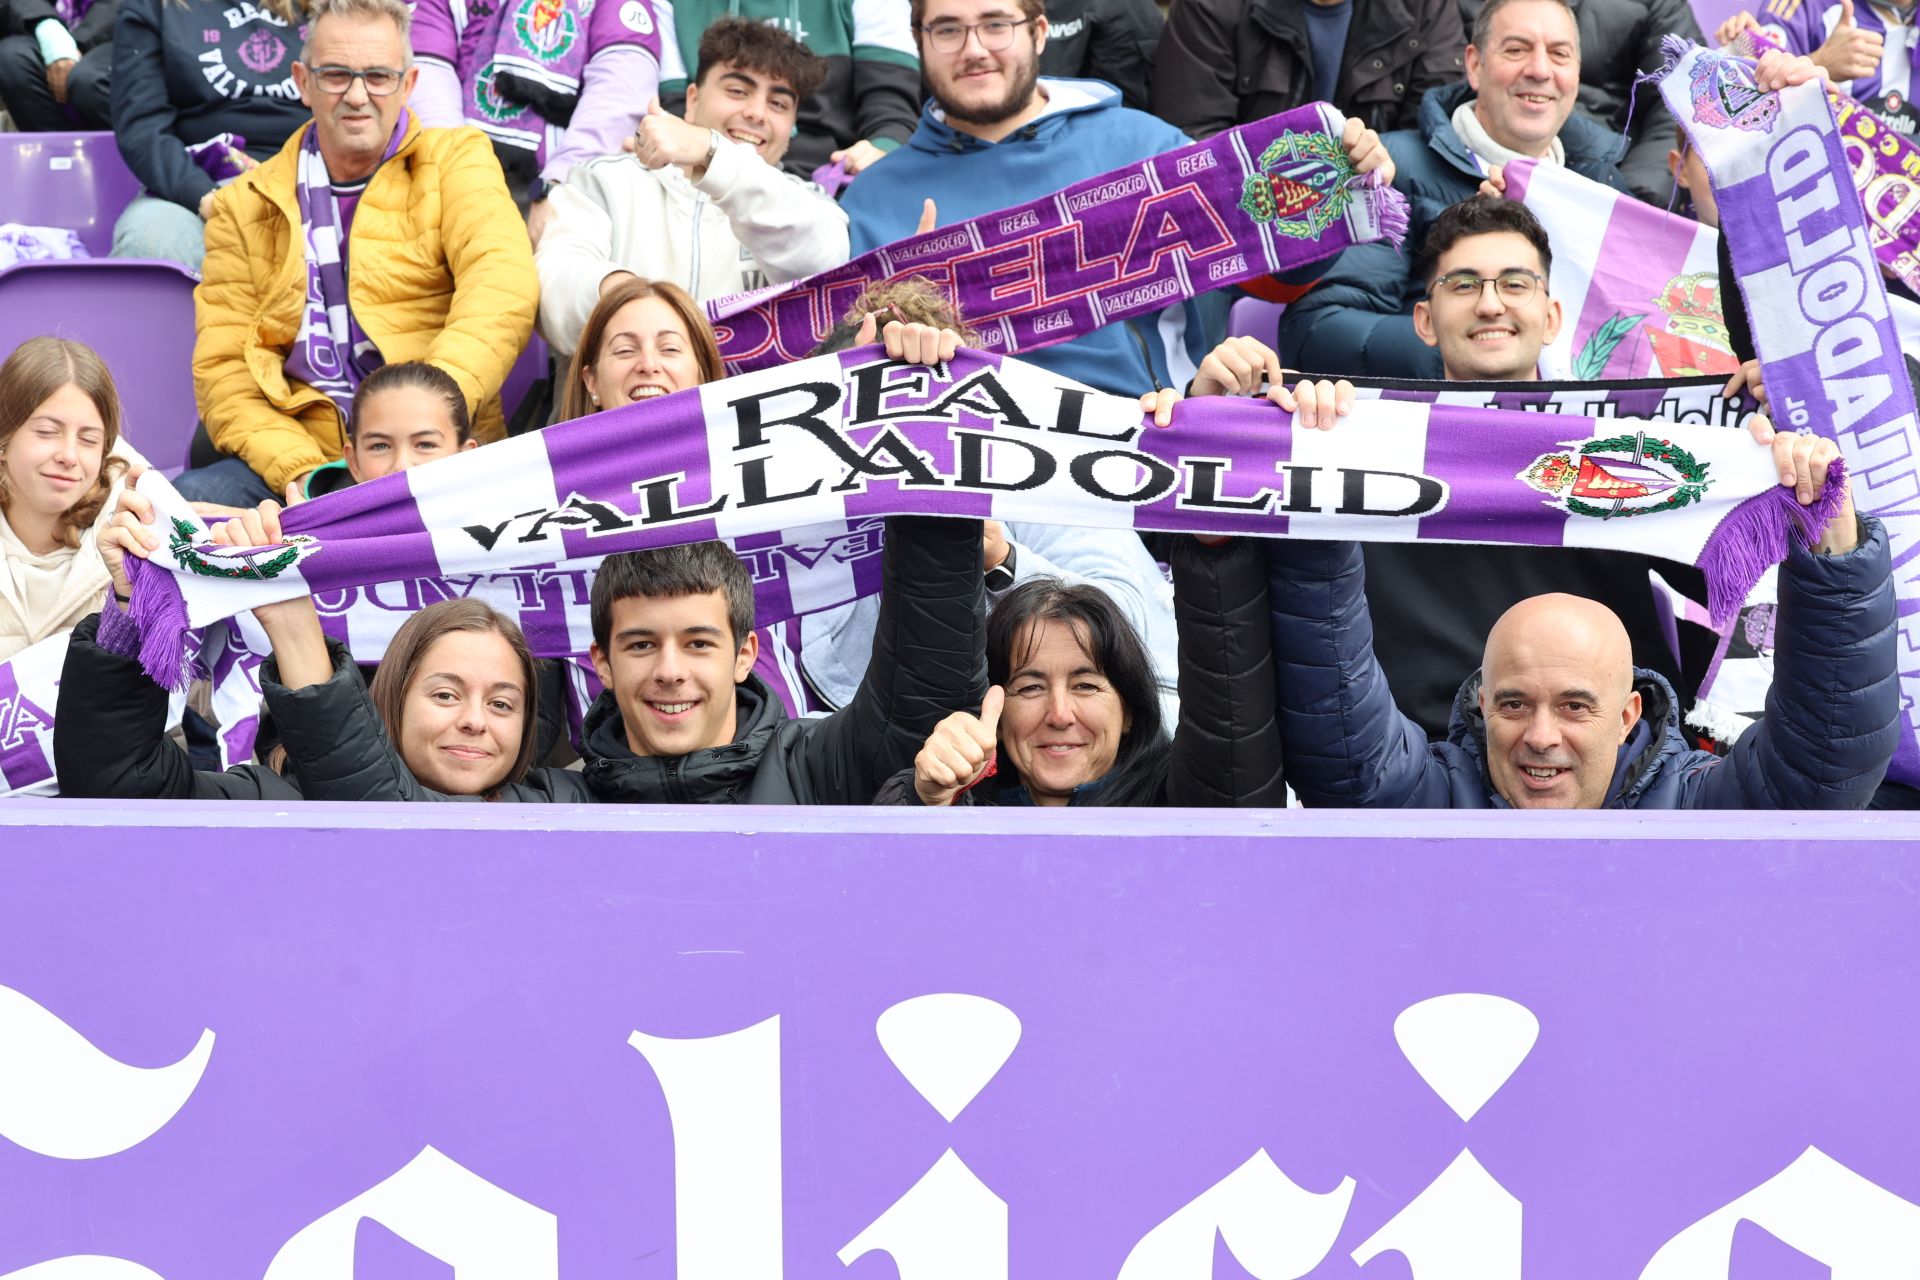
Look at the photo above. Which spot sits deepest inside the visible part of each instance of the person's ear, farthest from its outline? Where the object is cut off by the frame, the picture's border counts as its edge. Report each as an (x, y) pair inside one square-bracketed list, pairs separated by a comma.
[(470, 444), (1674, 161), (601, 666), (348, 456), (1552, 330), (303, 84), (748, 655), (1629, 715), (692, 105), (1040, 29), (591, 382), (1423, 323), (407, 80), (1473, 67)]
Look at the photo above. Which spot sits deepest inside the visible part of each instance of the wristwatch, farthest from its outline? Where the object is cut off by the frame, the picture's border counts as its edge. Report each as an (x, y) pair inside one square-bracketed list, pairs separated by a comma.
[(540, 190), (1000, 577)]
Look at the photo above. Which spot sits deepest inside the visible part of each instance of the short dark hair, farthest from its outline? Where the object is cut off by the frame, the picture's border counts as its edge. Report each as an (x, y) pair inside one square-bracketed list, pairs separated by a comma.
[(1480, 216), (1110, 642), (1029, 10), (762, 47), (1483, 23), (691, 569), (414, 373)]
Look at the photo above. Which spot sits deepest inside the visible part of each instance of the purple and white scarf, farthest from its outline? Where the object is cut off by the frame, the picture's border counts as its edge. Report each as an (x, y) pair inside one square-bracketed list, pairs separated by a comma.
[(332, 353), (1828, 347), (788, 462), (1262, 198)]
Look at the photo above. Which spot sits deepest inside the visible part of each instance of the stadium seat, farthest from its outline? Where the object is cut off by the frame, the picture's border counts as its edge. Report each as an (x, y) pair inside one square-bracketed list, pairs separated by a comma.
[(138, 314), (72, 180), (1252, 318)]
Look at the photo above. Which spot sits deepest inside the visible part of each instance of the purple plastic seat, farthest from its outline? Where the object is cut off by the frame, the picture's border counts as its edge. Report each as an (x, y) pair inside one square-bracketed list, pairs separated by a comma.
[(72, 180), (1252, 318), (138, 314)]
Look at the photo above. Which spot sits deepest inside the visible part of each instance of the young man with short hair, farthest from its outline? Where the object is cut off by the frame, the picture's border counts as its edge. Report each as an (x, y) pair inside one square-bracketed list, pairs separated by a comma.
[(702, 201)]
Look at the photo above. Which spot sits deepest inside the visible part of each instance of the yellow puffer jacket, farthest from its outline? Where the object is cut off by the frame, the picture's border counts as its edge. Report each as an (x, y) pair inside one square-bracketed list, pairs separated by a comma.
[(439, 269)]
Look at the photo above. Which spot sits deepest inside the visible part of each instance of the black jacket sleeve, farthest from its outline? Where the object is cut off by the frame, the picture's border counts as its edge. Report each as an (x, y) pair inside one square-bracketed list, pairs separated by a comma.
[(143, 114), (929, 660), (886, 99), (1122, 47), (1194, 68), (110, 736), (1226, 751)]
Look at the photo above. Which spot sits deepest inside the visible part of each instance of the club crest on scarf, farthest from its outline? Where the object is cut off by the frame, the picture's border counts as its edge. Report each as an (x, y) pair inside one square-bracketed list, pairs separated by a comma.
[(259, 563), (488, 98), (546, 27), (1301, 188), (1625, 475), (1725, 95)]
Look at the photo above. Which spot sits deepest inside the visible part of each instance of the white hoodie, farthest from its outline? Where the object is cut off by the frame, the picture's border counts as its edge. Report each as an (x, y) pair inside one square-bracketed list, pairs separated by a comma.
[(743, 225)]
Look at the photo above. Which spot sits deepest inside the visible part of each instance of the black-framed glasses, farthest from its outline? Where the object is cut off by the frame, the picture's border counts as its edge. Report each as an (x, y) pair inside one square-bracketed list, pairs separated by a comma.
[(950, 36), (1514, 286), (380, 81)]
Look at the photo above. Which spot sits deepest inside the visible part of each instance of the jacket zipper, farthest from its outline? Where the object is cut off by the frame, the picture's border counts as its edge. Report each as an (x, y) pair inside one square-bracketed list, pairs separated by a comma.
[(699, 207), (676, 789)]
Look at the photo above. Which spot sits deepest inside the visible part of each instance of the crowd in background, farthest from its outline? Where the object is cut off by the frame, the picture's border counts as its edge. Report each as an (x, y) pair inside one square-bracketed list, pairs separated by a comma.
[(386, 201)]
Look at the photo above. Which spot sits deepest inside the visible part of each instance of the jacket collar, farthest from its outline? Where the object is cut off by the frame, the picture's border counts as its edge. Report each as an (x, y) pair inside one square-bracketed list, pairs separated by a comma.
[(1588, 143)]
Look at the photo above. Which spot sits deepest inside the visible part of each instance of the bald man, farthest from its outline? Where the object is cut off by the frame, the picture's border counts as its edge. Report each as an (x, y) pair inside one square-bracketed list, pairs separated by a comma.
[(1558, 717)]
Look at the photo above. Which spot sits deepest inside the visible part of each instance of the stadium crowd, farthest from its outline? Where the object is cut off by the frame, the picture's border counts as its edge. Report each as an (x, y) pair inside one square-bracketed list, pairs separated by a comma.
[(385, 201)]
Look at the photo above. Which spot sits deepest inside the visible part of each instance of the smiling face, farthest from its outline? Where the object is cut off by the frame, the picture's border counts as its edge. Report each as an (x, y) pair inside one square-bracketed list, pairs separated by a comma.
[(1557, 693), (1527, 75), (398, 428), (975, 85), (1063, 722), (672, 664), (463, 715), (1485, 336), (51, 461), (747, 106), (646, 353), (354, 126)]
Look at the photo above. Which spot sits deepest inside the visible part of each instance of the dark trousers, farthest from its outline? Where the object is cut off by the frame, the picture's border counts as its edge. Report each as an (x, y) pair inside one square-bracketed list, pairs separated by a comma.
[(29, 99)]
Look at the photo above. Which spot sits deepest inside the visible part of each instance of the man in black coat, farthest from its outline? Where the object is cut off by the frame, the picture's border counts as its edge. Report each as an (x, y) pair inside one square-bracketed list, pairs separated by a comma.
[(1226, 62), (1111, 40), (54, 56)]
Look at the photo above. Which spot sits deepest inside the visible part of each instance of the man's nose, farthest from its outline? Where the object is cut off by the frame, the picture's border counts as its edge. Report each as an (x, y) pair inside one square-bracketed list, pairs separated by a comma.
[(1543, 731)]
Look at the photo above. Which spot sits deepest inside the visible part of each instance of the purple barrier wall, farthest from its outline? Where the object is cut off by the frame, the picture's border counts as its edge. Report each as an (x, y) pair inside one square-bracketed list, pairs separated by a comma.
[(726, 1044)]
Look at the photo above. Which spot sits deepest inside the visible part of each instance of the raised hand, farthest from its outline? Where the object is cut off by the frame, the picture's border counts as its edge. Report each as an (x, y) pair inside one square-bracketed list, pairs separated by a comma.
[(1365, 152), (1850, 52), (1778, 69), (917, 343), (128, 533), (1237, 367), (1802, 459), (663, 138), (858, 156), (958, 752), (1315, 405), (1726, 32), (929, 217)]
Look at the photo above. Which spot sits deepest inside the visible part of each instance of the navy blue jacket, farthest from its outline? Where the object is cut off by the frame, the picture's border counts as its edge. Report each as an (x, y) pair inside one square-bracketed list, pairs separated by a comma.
[(1830, 728), (1358, 319)]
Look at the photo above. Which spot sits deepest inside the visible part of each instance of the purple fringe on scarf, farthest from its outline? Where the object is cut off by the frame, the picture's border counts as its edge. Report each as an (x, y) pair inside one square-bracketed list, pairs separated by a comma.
[(1753, 538), (160, 611), (1388, 205)]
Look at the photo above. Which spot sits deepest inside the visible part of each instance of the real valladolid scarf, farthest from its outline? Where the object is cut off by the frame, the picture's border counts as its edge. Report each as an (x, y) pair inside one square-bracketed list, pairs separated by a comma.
[(795, 570), (1264, 197), (1828, 349)]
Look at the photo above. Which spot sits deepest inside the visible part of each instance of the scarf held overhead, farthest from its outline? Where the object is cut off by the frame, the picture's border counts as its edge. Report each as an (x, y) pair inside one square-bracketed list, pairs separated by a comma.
[(1264, 197), (841, 440), (1829, 352)]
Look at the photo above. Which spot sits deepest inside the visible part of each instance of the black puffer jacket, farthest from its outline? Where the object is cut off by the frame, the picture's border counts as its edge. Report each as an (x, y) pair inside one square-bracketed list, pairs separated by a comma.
[(928, 657), (1227, 62), (110, 735), (1226, 750), (1829, 732)]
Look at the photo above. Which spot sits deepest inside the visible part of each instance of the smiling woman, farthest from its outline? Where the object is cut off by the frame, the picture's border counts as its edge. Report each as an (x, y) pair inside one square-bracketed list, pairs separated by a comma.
[(646, 338)]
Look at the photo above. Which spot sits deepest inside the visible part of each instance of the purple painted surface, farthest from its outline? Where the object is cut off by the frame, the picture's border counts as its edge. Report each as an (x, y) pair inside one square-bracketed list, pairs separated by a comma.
[(1715, 994)]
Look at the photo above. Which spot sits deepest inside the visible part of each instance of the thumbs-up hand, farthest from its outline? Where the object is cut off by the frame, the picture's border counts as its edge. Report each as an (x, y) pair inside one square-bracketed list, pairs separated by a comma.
[(1850, 52), (959, 752), (663, 138)]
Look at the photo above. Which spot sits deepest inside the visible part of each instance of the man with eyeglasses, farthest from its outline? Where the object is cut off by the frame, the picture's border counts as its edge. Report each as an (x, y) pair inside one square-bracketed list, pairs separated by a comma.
[(996, 133), (365, 240), (1489, 311)]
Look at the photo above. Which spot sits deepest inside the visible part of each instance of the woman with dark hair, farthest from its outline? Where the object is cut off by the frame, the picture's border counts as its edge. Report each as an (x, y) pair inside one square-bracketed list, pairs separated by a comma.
[(454, 701), (1073, 714)]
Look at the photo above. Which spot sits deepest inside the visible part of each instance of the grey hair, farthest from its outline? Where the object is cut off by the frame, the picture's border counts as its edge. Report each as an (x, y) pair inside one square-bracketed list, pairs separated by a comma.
[(394, 11), (1482, 29)]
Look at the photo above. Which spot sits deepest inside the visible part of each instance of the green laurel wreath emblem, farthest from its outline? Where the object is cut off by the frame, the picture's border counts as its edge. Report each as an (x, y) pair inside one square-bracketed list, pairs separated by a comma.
[(1690, 469), (181, 544)]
